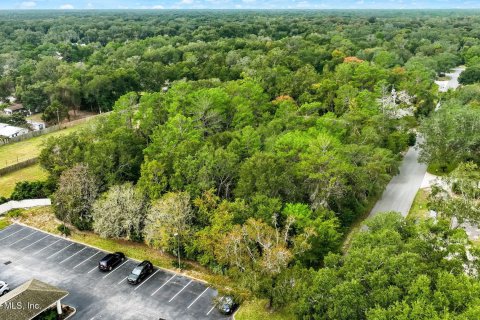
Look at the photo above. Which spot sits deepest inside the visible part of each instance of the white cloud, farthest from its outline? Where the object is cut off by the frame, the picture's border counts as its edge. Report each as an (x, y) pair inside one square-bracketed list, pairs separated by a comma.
[(186, 2), (28, 4), (158, 6), (66, 6), (89, 5)]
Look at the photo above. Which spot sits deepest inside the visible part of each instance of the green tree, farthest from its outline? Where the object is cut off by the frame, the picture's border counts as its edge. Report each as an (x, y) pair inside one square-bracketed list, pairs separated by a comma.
[(74, 198)]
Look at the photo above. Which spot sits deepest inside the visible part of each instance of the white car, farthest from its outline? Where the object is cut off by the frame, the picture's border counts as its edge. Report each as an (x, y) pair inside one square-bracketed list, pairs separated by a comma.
[(3, 288)]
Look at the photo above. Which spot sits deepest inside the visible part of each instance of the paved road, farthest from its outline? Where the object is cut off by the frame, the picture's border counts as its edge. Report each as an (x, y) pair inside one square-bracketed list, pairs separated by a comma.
[(26, 253), (401, 190), (452, 83)]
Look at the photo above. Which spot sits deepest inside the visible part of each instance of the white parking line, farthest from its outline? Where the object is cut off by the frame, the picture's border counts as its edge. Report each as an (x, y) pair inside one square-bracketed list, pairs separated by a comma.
[(123, 280), (47, 246), (73, 255), (201, 294), (11, 244), (87, 259), (141, 284), (7, 228), (210, 310), (115, 269), (163, 285), (31, 244), (54, 254), (96, 267), (11, 234), (180, 291)]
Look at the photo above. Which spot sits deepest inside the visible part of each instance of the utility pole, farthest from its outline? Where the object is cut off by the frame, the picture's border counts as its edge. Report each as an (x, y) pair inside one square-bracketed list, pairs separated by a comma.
[(178, 249), (58, 117)]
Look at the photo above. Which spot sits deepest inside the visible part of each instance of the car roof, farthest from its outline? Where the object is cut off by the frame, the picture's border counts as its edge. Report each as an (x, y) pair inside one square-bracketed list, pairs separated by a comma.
[(2, 283), (143, 263)]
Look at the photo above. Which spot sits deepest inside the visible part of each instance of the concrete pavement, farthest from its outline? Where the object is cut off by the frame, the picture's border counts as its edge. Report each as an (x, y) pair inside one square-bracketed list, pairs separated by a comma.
[(401, 190)]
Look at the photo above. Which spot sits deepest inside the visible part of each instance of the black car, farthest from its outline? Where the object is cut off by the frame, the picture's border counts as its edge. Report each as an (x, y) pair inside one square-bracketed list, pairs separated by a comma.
[(110, 261), (226, 305), (140, 272)]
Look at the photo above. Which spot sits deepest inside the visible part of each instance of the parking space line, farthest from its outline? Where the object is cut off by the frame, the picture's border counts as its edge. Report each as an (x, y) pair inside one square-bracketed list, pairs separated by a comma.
[(87, 259), (7, 228), (73, 255), (210, 310), (122, 280), (11, 234), (115, 269), (31, 244), (180, 291), (201, 294), (51, 244), (163, 285), (96, 267), (71, 244), (11, 244), (141, 284)]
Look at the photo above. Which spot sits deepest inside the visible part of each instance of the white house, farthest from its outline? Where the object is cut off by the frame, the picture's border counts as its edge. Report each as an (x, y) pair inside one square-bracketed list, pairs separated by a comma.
[(35, 125), (8, 131)]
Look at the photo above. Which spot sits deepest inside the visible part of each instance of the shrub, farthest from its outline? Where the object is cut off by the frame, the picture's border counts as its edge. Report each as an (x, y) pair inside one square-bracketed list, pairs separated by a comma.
[(64, 229), (32, 190)]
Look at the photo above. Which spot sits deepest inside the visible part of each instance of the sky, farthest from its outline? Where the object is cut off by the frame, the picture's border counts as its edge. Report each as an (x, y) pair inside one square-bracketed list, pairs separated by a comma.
[(237, 4)]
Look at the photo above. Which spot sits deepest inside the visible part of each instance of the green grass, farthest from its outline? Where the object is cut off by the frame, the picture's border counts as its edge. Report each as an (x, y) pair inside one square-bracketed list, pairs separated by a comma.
[(4, 222), (419, 209), (256, 310), (434, 168), (8, 181), (20, 151)]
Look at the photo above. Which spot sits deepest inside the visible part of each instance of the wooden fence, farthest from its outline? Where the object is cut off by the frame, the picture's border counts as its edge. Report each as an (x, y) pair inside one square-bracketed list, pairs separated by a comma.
[(17, 166), (50, 129)]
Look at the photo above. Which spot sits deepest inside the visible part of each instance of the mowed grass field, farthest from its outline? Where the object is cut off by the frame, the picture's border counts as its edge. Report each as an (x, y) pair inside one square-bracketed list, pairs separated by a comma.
[(30, 148), (8, 181)]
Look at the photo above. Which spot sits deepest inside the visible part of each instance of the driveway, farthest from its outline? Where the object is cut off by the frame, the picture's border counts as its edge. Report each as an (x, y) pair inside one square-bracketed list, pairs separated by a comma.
[(27, 253), (401, 190)]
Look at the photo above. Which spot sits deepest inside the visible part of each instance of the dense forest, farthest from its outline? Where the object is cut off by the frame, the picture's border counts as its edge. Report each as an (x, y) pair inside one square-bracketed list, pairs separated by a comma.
[(258, 139)]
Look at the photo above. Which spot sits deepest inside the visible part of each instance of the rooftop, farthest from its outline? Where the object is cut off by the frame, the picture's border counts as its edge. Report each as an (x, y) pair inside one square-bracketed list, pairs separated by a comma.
[(34, 296)]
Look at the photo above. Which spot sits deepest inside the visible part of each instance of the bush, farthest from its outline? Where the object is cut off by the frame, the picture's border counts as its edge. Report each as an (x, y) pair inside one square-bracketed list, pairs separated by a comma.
[(32, 190), (64, 229), (3, 200), (15, 213), (412, 139)]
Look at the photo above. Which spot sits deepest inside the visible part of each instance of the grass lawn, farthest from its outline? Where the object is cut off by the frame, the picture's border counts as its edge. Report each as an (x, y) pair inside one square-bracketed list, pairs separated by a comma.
[(419, 209), (30, 148), (256, 310), (434, 168), (9, 180), (4, 222)]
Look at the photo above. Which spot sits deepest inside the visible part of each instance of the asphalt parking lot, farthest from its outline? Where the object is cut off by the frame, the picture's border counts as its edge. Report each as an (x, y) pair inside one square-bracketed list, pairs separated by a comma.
[(27, 253)]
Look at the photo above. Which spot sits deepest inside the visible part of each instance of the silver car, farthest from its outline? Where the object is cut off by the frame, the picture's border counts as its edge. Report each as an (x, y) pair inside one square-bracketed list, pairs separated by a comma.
[(3, 288)]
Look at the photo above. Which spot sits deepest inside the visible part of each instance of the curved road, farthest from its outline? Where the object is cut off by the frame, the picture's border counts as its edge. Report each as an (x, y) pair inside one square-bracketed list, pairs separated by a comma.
[(401, 190)]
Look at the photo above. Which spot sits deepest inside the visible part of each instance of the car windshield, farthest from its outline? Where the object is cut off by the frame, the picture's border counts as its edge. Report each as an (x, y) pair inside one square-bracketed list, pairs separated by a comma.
[(137, 271)]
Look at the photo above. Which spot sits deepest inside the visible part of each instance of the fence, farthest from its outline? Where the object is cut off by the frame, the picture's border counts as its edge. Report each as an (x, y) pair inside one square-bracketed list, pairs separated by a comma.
[(18, 166), (50, 129)]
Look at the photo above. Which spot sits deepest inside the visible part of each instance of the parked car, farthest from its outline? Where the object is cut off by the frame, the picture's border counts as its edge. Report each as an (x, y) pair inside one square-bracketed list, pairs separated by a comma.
[(140, 272), (110, 261), (3, 288), (226, 305)]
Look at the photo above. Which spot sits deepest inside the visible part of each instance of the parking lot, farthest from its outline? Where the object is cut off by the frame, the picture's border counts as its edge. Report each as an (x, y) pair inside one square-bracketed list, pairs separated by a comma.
[(27, 253)]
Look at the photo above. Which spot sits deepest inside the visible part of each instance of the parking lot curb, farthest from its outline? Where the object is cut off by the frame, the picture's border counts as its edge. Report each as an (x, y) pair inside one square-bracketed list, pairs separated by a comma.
[(103, 250)]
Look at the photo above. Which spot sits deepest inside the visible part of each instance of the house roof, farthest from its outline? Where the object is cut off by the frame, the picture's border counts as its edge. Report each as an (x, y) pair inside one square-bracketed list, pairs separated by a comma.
[(15, 107), (29, 299), (8, 130)]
